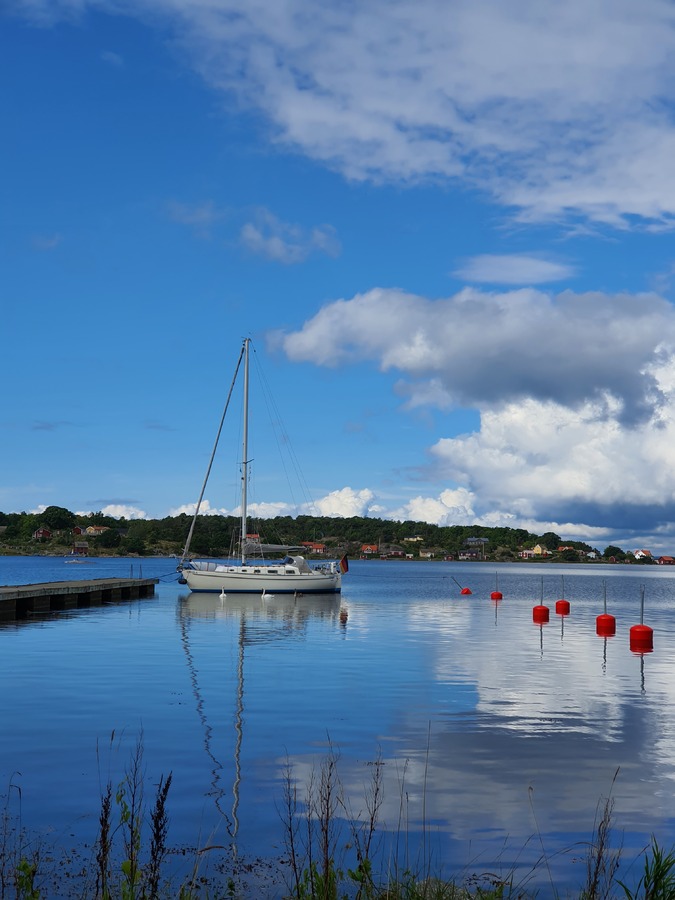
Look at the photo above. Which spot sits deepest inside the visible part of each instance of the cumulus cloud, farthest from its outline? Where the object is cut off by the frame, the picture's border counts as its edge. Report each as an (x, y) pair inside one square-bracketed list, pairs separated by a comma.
[(475, 348), (494, 269), (550, 108), (533, 458), (345, 502), (205, 509), (122, 511), (284, 242), (576, 394), (117, 511)]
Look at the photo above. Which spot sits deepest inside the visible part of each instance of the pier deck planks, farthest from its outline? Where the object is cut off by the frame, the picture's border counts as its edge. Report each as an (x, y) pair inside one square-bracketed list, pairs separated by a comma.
[(19, 601)]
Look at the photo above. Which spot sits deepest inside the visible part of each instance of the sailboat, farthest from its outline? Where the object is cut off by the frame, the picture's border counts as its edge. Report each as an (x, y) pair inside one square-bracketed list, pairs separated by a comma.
[(290, 575)]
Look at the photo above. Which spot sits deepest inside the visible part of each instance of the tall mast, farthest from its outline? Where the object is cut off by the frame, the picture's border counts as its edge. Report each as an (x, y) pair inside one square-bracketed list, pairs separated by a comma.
[(244, 457)]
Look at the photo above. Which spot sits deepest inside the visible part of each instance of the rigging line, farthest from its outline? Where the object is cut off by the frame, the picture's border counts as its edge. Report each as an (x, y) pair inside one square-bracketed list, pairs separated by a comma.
[(280, 432), (186, 549)]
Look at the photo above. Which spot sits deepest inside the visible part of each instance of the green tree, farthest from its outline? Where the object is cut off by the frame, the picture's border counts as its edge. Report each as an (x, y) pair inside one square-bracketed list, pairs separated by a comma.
[(550, 540), (109, 539), (134, 542), (57, 517), (616, 552)]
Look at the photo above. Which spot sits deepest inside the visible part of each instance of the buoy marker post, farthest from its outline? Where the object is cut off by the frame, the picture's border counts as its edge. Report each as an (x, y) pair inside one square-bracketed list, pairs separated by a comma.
[(642, 636), (562, 606), (496, 594), (605, 625), (462, 590), (540, 613)]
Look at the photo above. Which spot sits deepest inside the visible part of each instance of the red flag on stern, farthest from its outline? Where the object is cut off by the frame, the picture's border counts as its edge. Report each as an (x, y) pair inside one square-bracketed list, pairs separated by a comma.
[(344, 565)]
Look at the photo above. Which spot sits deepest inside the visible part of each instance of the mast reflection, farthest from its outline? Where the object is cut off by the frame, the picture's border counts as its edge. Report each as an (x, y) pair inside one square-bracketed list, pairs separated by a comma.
[(261, 620)]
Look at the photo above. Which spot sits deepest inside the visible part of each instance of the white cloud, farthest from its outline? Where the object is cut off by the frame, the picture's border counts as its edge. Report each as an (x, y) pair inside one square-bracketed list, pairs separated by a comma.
[(270, 510), (518, 270), (533, 455), (346, 502), (285, 242), (477, 348), (205, 509), (117, 511), (452, 507), (576, 395), (550, 108)]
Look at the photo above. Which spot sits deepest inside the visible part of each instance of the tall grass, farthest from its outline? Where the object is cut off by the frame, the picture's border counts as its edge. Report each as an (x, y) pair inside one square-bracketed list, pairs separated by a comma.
[(658, 879), (20, 853), (332, 851)]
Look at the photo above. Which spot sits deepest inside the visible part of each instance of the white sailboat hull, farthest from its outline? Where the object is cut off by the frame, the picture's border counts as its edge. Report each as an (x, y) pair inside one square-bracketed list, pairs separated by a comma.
[(270, 578)]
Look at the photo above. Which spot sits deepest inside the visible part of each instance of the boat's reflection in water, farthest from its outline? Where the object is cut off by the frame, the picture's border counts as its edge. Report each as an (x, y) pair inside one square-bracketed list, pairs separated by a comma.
[(260, 619), (269, 616)]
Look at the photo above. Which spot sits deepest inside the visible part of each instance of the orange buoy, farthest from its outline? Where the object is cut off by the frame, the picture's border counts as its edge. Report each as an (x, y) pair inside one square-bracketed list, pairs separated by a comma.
[(605, 625), (496, 595), (462, 590), (562, 606), (540, 613), (641, 639), (642, 636)]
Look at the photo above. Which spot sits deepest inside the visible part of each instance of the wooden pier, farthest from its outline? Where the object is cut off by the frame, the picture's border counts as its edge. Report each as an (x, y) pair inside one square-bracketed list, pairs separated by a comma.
[(22, 601)]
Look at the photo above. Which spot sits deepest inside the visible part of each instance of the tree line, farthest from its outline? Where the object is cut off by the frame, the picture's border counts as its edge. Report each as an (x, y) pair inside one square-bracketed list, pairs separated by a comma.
[(218, 535)]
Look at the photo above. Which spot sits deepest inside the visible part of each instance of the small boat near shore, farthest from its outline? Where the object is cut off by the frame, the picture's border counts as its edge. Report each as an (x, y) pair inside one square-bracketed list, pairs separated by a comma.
[(291, 574)]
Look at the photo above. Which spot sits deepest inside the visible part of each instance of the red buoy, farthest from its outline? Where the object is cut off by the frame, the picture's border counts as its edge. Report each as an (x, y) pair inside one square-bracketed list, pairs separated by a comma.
[(641, 639), (562, 607), (540, 614), (496, 595), (605, 625), (465, 591)]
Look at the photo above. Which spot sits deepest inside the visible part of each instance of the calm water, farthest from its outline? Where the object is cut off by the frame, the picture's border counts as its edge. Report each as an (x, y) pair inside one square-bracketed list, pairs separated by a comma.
[(498, 737)]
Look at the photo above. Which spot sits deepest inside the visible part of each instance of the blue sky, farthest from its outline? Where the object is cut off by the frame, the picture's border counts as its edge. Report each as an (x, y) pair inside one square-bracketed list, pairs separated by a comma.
[(446, 226)]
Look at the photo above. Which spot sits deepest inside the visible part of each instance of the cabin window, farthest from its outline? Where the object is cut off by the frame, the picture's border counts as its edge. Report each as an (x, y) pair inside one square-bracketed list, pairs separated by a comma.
[(256, 571)]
